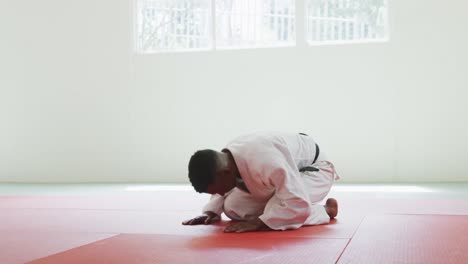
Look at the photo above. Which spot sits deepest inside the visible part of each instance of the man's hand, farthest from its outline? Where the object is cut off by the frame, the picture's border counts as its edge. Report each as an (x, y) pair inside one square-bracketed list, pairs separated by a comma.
[(206, 219), (247, 226)]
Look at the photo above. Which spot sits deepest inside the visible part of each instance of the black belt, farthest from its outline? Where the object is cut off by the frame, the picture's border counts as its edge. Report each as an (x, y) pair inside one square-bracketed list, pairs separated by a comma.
[(317, 152)]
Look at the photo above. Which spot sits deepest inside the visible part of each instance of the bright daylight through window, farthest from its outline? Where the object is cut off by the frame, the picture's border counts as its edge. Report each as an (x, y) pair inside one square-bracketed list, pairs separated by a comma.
[(255, 23), (184, 25), (173, 25), (341, 21)]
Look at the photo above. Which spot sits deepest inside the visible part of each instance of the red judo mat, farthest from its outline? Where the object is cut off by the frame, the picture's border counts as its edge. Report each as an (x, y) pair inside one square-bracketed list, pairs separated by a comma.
[(409, 239), (222, 248), (379, 239), (19, 246), (142, 228), (142, 222)]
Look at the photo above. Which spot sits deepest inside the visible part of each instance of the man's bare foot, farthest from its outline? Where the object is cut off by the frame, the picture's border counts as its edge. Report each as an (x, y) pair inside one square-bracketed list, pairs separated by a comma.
[(331, 206)]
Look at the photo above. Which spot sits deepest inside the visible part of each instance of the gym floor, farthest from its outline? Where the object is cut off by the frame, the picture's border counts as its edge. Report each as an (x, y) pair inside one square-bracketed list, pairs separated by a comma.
[(141, 223)]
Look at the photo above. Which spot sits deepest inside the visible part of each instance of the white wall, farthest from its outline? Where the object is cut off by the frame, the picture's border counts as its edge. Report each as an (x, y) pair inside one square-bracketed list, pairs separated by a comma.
[(76, 104)]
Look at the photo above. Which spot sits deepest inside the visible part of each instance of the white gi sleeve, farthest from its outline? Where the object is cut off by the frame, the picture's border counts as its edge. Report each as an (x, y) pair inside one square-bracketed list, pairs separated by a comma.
[(288, 208), (215, 204)]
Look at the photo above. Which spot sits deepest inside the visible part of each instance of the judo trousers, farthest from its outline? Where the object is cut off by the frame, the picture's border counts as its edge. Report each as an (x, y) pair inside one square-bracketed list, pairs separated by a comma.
[(240, 205)]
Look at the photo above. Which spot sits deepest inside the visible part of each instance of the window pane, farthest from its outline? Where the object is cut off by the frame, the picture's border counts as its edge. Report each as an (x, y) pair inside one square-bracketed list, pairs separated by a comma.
[(173, 25), (255, 23), (346, 20)]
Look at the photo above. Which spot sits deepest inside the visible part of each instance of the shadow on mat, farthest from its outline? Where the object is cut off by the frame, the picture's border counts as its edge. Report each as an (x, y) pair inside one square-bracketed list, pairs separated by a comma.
[(265, 240)]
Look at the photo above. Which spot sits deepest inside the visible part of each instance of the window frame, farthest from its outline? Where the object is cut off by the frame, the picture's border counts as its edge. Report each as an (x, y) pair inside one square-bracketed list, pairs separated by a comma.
[(300, 38)]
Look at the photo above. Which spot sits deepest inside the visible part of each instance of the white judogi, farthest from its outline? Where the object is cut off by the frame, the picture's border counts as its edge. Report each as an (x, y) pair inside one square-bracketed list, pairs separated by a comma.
[(280, 195)]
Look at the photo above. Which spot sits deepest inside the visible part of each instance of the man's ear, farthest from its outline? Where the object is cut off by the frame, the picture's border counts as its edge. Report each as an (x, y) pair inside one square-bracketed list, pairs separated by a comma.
[(226, 172)]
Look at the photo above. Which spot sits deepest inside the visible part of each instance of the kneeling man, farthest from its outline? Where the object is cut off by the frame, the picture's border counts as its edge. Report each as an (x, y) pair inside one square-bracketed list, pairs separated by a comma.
[(265, 180)]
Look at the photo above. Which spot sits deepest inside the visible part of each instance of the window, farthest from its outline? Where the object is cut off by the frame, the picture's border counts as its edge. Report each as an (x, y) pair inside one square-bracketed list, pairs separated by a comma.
[(182, 25), (173, 25), (345, 20), (255, 23), (178, 25)]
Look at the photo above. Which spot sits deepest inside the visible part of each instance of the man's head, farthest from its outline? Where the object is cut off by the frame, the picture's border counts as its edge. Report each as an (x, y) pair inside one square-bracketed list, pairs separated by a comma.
[(211, 172)]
